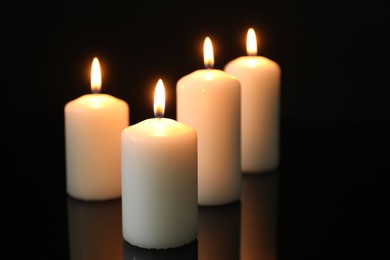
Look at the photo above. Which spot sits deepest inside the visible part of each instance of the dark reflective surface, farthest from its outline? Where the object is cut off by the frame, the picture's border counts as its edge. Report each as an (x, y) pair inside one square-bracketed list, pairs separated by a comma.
[(259, 217), (219, 231), (95, 229), (244, 229), (325, 202), (189, 251)]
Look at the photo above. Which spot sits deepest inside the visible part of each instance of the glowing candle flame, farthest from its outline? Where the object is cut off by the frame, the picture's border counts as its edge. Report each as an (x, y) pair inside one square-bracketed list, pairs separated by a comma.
[(251, 43), (96, 76), (208, 54), (159, 99)]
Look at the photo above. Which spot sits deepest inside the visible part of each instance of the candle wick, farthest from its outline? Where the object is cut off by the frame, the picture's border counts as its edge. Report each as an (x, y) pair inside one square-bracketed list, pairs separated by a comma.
[(95, 90), (158, 114)]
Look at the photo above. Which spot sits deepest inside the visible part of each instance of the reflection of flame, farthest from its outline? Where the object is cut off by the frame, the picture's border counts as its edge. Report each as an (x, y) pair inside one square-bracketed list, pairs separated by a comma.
[(96, 76), (159, 99), (208, 54), (251, 43)]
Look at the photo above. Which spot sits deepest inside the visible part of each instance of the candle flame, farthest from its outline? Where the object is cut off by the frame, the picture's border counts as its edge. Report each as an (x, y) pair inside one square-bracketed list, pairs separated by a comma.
[(208, 53), (159, 99), (96, 76), (251, 43)]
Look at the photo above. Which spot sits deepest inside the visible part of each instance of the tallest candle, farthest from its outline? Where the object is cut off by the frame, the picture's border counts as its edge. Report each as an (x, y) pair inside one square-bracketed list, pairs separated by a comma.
[(93, 126), (260, 86), (209, 100)]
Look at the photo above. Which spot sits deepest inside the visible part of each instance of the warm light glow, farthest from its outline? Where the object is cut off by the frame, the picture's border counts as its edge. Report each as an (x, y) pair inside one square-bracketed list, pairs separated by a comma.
[(208, 55), (96, 76), (251, 43), (159, 99)]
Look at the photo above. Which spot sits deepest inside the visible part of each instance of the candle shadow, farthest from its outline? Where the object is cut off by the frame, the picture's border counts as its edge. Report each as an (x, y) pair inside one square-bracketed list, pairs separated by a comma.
[(95, 229), (259, 216), (189, 251), (219, 231)]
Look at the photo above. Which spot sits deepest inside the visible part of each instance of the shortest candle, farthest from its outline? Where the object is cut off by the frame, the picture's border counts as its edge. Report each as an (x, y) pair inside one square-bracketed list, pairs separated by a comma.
[(159, 181)]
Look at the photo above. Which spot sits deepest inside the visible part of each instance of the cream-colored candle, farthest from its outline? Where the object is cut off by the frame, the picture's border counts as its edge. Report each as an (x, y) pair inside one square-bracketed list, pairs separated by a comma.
[(260, 80), (159, 181), (209, 100), (93, 126)]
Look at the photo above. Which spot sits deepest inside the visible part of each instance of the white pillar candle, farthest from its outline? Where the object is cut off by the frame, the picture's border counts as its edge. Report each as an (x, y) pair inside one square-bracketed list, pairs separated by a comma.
[(260, 80), (209, 100), (93, 125), (159, 181)]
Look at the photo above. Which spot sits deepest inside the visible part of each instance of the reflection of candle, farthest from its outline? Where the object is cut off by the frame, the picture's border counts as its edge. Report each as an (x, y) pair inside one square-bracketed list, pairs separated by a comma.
[(187, 252), (209, 100), (259, 217), (159, 181), (94, 229), (93, 124), (219, 232), (260, 83)]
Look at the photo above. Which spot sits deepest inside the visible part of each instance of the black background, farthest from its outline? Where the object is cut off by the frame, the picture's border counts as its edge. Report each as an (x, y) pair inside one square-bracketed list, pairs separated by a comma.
[(334, 105)]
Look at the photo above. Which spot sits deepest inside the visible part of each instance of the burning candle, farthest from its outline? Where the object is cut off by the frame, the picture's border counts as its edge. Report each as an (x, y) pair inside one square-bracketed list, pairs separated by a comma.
[(260, 86), (93, 124), (159, 181), (209, 101)]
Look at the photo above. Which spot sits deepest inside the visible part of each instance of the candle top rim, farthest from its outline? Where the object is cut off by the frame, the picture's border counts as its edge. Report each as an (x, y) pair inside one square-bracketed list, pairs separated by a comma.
[(209, 75), (213, 72), (102, 96), (255, 60), (159, 128), (95, 101), (255, 57)]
